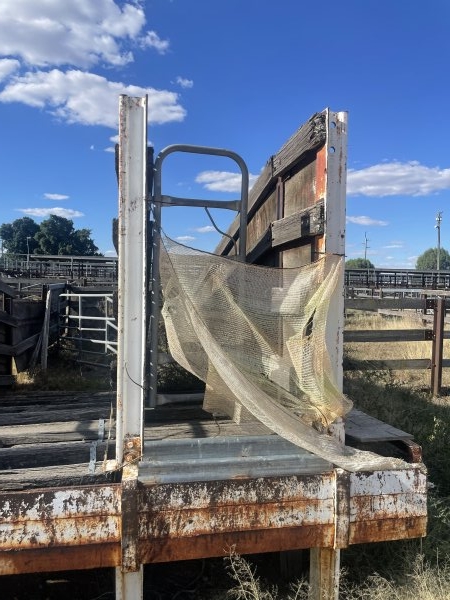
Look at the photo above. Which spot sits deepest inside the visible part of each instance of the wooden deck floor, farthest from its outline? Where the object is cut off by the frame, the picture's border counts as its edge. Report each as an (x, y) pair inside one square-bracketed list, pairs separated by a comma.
[(62, 438)]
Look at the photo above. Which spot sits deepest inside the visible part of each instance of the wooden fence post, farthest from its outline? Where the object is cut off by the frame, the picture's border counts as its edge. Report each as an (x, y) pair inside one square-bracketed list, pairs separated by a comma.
[(438, 346)]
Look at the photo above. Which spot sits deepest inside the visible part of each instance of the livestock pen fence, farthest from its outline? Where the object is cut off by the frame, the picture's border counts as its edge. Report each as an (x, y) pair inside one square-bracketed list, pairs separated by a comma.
[(34, 317), (430, 312), (81, 321), (38, 266)]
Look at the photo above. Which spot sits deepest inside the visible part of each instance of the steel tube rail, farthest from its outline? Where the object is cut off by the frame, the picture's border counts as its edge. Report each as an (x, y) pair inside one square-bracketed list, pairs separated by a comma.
[(158, 201)]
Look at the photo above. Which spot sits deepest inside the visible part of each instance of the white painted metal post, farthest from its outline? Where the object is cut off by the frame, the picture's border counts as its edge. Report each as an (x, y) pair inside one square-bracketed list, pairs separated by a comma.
[(132, 271), (335, 229), (325, 562), (132, 327)]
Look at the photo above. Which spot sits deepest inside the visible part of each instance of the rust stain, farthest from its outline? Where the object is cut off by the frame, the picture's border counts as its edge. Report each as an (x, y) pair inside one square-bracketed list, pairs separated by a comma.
[(59, 517), (246, 542), (383, 530), (321, 174)]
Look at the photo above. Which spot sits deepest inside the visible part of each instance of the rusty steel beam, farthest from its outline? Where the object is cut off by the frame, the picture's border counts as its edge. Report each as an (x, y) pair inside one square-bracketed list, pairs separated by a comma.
[(60, 528), (245, 542), (60, 558), (82, 527)]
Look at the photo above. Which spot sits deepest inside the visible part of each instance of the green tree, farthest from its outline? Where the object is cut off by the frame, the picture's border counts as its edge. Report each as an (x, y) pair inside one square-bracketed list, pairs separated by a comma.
[(428, 260), (19, 236), (57, 235), (359, 263)]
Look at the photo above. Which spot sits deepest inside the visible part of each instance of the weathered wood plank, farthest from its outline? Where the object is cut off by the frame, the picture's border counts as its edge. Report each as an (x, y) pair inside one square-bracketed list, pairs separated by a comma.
[(301, 147), (305, 223), (387, 335), (7, 290), (44, 455), (17, 349), (393, 364), (54, 476), (374, 304), (50, 432), (363, 428), (69, 414)]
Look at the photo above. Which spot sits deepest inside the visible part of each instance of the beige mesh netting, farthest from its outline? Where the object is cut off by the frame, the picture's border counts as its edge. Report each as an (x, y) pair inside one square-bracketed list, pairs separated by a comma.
[(256, 336)]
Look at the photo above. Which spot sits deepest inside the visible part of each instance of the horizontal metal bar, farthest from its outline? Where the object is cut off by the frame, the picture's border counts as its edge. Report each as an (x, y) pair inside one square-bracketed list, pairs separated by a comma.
[(209, 459), (74, 295), (393, 364), (231, 446), (385, 335), (230, 468), (174, 201), (87, 318), (390, 303)]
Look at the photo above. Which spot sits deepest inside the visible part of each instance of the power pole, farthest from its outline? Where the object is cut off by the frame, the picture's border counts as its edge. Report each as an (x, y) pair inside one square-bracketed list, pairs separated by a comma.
[(366, 241), (438, 227)]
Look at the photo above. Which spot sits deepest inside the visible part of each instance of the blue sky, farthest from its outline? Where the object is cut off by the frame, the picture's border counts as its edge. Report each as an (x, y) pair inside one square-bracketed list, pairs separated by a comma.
[(239, 74)]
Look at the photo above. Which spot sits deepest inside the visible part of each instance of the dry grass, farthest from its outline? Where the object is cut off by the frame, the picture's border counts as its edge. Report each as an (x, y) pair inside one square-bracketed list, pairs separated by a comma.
[(359, 320), (62, 375)]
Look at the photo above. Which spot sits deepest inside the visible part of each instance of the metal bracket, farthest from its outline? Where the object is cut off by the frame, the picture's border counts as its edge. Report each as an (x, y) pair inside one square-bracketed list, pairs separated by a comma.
[(101, 430), (92, 457), (132, 450)]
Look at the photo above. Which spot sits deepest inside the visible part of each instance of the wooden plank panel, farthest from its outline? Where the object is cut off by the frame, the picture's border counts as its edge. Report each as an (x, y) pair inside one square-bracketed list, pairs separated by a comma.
[(53, 477), (44, 455), (49, 432), (387, 335), (299, 190), (300, 148), (364, 428)]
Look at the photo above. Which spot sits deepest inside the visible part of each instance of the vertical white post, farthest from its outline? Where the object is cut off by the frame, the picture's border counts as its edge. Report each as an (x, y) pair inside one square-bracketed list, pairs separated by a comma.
[(132, 271), (132, 326), (335, 229), (325, 562)]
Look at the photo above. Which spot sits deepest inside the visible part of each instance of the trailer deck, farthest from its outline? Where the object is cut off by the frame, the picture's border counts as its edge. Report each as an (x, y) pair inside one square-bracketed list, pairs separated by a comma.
[(205, 484)]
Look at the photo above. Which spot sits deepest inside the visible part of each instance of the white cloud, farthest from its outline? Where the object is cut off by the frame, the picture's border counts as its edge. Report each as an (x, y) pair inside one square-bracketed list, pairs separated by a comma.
[(152, 40), (56, 197), (67, 213), (397, 179), (73, 32), (204, 229), (115, 140), (86, 98), (363, 220), (8, 66), (185, 238), (392, 246), (222, 181), (184, 83)]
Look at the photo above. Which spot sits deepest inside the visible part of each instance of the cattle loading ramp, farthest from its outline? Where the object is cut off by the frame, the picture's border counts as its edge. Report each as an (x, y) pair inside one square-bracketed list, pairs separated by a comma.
[(134, 478)]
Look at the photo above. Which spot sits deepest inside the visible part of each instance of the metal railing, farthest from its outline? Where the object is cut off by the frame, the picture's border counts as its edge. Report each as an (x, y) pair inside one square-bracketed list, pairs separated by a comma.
[(80, 332)]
